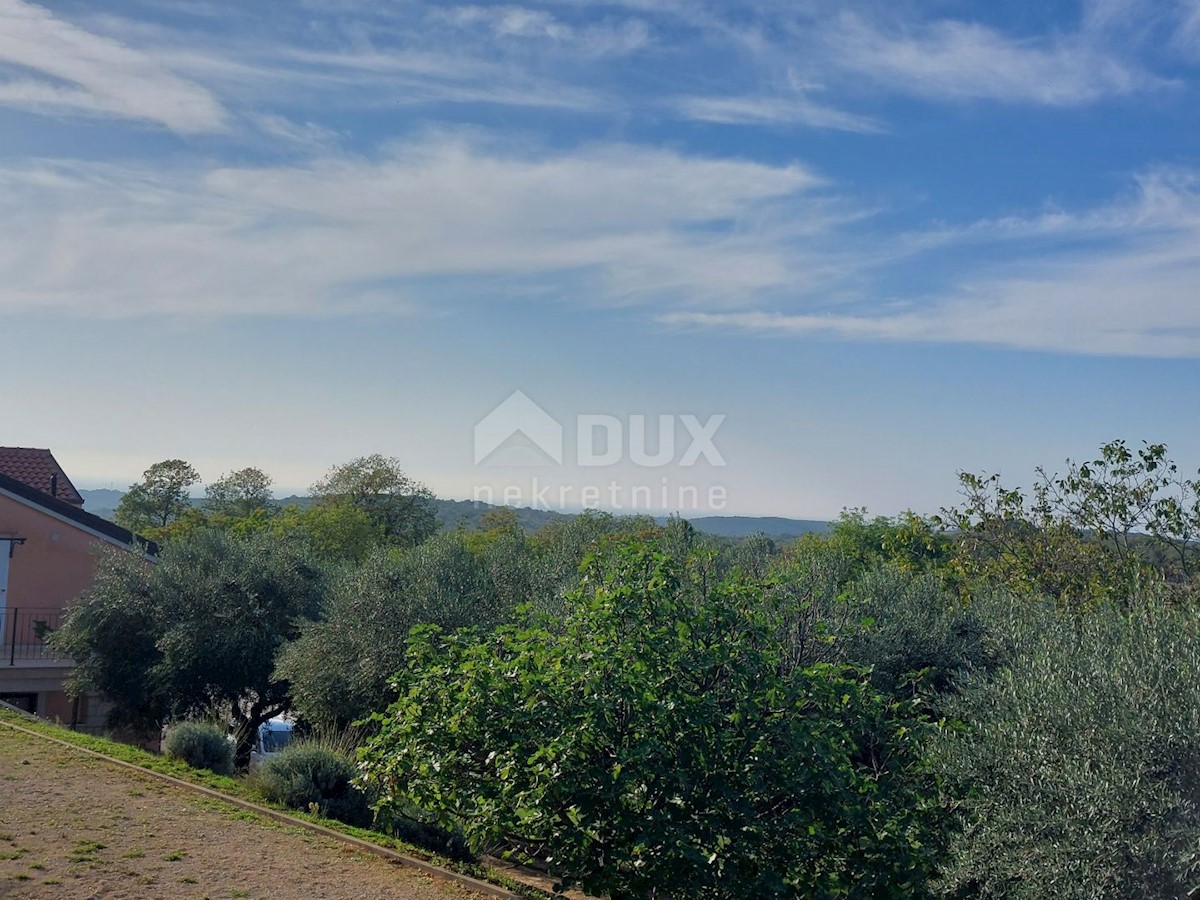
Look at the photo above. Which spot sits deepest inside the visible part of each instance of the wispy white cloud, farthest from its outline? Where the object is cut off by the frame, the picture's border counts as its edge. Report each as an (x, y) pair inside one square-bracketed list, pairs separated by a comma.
[(1130, 306), (1126, 16), (595, 39), (560, 57), (242, 80), (797, 109), (408, 78), (874, 50), (305, 136), (1130, 291), (1150, 25), (54, 66), (955, 60), (350, 234), (1187, 35), (707, 242), (1112, 49)]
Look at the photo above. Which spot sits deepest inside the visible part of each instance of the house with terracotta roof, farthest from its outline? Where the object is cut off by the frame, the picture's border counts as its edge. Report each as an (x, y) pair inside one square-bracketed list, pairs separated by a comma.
[(39, 470), (48, 549)]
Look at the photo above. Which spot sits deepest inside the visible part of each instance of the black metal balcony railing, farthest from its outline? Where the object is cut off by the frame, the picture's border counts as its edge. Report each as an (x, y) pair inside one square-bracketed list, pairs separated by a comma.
[(26, 631)]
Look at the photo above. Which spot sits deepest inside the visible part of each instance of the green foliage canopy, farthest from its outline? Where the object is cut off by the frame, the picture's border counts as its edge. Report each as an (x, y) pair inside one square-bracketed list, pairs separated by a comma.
[(197, 632), (391, 500), (335, 532), (1084, 537), (239, 494), (650, 744), (338, 667), (159, 499), (1077, 774)]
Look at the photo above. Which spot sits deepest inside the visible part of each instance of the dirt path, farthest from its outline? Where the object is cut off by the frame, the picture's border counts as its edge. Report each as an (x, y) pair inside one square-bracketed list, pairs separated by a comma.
[(72, 826)]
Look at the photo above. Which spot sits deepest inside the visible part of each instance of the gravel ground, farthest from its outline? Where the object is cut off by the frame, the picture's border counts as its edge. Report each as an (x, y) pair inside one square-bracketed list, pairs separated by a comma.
[(73, 826)]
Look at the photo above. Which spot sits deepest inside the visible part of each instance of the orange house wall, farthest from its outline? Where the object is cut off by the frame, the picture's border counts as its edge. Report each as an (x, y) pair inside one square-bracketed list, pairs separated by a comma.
[(50, 570), (56, 563)]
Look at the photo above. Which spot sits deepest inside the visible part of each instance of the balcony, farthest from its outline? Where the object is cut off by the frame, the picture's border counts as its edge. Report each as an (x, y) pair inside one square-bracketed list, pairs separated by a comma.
[(25, 631)]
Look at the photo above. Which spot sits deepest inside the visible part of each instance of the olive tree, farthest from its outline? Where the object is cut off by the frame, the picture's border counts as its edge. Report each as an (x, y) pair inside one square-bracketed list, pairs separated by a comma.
[(339, 667), (1075, 775), (196, 632)]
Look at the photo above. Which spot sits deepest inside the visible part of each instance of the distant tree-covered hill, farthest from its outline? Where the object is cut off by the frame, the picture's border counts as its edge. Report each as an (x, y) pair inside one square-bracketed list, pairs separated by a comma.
[(102, 502), (744, 526), (467, 514)]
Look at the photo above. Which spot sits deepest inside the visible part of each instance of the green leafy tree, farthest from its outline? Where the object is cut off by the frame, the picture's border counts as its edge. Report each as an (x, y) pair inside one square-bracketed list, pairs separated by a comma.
[(1095, 534), (514, 569), (195, 633), (239, 494), (909, 541), (499, 520), (159, 499), (190, 521), (916, 638), (336, 532), (906, 625), (650, 744), (376, 485), (1123, 495), (755, 555), (562, 545), (1029, 548)]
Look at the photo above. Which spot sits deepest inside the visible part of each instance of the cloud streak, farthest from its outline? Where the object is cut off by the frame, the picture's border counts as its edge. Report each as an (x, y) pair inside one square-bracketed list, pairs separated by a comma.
[(595, 40), (57, 68), (354, 235), (954, 60), (1132, 292), (598, 60), (776, 111)]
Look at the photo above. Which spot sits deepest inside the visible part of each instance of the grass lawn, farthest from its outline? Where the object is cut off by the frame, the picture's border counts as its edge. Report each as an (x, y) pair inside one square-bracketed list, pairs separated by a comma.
[(72, 825)]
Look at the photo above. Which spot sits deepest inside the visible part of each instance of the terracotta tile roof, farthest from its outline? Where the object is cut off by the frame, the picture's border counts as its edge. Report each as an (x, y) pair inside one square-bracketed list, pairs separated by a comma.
[(39, 469)]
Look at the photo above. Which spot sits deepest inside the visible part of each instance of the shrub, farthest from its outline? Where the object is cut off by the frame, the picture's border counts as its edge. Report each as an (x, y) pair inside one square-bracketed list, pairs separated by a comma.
[(914, 636), (201, 746), (306, 774), (1076, 776), (413, 828)]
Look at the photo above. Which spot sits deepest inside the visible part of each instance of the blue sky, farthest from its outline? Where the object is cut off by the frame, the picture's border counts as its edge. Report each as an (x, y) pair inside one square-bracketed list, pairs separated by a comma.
[(886, 241)]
